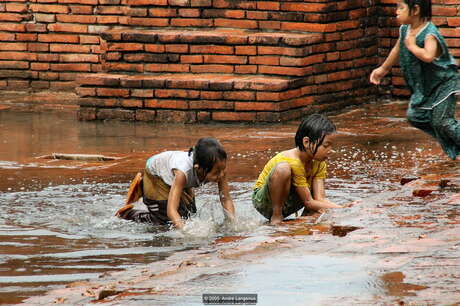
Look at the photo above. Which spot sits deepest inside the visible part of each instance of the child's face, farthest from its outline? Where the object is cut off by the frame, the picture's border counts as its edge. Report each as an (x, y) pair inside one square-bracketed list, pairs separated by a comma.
[(403, 14), (326, 148), (217, 172)]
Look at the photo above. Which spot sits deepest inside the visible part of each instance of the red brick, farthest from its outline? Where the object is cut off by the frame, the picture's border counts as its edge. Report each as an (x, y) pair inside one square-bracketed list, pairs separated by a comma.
[(444, 11), (233, 116), (211, 49), (198, 3), (155, 48), (167, 67), (211, 68), (13, 46), (71, 28), (256, 15), (171, 104), (272, 25), (268, 5), (225, 59), (162, 12), (125, 47), (49, 8), (75, 58), (50, 76), (232, 23), (87, 39), (256, 106), (14, 65), (11, 17), (211, 95), (176, 48), (86, 92), (11, 27), (107, 19), (40, 66), (132, 103), (245, 50), (177, 93), (147, 2), (70, 67), (264, 60), (37, 47), (19, 56), (67, 48), (191, 59), (187, 22), (81, 9), (205, 104), (16, 7), (7, 36), (124, 67), (189, 12), (142, 93), (293, 71), (240, 95), (112, 92), (179, 2), (305, 7), (149, 22), (246, 69), (75, 19), (64, 38)]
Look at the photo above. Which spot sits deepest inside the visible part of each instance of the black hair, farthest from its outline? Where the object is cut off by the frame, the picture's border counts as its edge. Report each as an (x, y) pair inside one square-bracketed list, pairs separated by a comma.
[(425, 7), (316, 127), (207, 152)]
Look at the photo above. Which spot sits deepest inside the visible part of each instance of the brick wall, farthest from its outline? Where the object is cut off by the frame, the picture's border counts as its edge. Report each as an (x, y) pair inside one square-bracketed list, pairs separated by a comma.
[(201, 60)]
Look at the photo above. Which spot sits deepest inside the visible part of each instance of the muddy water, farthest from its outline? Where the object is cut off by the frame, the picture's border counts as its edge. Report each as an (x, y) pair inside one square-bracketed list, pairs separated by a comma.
[(56, 217)]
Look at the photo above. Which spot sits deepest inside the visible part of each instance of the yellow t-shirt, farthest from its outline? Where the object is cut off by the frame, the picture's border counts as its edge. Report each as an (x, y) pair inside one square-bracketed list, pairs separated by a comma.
[(300, 176)]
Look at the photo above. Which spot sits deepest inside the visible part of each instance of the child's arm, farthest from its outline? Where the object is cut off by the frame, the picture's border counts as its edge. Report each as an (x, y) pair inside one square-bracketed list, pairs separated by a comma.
[(378, 73), (311, 203), (225, 198), (174, 198), (427, 53), (319, 192)]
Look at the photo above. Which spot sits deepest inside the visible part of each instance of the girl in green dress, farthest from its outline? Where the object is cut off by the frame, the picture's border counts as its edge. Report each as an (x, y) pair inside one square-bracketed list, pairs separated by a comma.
[(430, 72)]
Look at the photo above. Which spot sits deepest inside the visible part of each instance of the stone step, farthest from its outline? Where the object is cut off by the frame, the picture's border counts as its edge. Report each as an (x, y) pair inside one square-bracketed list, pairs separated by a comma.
[(176, 97), (204, 97), (212, 51)]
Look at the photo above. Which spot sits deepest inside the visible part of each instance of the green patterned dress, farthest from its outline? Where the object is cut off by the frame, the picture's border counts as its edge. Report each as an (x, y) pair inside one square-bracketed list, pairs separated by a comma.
[(433, 87)]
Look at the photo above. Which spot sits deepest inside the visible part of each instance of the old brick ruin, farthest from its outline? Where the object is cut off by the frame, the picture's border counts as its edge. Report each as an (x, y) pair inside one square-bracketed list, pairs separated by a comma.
[(204, 60)]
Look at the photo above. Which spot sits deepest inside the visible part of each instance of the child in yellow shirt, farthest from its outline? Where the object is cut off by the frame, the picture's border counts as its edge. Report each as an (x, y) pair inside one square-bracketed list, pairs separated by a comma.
[(295, 178)]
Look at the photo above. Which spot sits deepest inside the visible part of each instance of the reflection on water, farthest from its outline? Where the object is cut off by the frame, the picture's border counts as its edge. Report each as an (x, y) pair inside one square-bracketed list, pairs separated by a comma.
[(69, 232), (56, 227)]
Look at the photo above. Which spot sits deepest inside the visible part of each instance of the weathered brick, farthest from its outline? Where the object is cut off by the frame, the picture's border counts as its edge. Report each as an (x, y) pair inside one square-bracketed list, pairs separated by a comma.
[(145, 115), (87, 113), (175, 116), (166, 103), (234, 116), (112, 92), (71, 67), (115, 113)]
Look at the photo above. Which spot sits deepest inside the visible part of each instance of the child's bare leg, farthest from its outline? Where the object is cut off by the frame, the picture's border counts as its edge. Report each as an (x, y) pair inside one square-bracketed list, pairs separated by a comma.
[(280, 184)]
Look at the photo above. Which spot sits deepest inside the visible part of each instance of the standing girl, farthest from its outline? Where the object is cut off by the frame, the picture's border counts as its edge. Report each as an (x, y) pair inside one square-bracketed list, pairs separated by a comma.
[(294, 179), (168, 181), (430, 72)]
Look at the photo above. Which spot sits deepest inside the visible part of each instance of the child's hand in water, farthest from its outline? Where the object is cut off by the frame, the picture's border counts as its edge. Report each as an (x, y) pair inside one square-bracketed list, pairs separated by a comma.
[(377, 75), (351, 204)]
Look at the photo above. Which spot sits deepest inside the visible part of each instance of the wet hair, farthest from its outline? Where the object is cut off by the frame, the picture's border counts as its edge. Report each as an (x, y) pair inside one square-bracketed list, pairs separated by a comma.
[(316, 127), (207, 152), (425, 7)]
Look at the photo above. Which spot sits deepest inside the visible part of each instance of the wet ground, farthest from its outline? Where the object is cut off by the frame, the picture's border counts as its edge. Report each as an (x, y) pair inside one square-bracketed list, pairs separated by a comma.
[(397, 244)]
